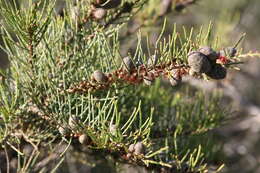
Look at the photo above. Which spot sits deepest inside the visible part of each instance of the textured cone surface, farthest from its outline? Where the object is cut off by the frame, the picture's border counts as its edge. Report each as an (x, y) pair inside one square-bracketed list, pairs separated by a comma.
[(83, 139), (217, 72), (209, 52), (128, 64), (199, 62), (99, 76), (139, 148), (192, 73), (131, 148)]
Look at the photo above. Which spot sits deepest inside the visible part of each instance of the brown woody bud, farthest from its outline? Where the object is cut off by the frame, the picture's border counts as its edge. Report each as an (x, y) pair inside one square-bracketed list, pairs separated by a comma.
[(209, 52), (217, 72), (99, 13), (100, 77), (139, 148), (199, 62)]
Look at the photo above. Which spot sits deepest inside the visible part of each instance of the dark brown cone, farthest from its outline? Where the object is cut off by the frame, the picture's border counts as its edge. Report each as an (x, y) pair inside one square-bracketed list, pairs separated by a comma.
[(199, 62), (217, 72), (209, 52)]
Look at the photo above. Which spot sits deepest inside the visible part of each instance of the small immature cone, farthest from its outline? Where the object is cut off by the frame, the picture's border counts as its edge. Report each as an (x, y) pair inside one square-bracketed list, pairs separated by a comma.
[(99, 13), (217, 72), (128, 64), (100, 77), (83, 139), (209, 52), (108, 4), (199, 62), (229, 51), (139, 148), (232, 51), (131, 148)]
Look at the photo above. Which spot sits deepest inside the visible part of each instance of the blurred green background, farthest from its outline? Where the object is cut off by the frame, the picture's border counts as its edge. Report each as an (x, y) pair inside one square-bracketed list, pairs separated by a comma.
[(231, 18)]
